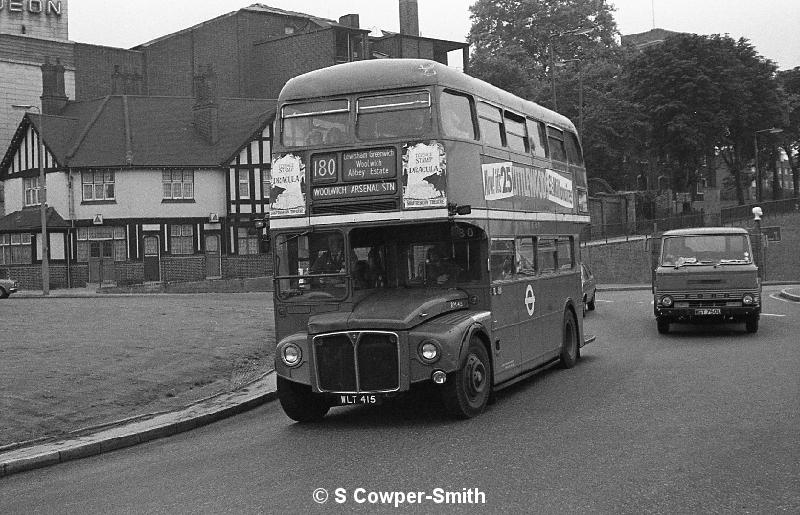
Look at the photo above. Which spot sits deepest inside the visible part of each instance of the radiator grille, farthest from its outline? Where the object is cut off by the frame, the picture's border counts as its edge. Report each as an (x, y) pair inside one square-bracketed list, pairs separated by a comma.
[(366, 361), (360, 207)]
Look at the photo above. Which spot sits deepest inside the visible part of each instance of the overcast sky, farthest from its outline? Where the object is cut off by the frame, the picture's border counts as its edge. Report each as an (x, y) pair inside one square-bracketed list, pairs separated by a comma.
[(770, 25)]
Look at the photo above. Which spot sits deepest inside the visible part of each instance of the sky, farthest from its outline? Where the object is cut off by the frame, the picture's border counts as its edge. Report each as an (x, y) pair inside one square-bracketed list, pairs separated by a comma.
[(770, 25)]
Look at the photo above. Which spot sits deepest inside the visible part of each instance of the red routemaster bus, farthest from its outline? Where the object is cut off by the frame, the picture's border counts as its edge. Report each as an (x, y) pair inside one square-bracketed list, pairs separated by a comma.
[(425, 228)]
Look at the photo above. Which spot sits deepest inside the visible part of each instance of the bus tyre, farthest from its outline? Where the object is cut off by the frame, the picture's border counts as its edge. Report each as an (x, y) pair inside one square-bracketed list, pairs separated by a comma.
[(663, 325), (467, 390), (569, 341), (300, 403), (751, 324)]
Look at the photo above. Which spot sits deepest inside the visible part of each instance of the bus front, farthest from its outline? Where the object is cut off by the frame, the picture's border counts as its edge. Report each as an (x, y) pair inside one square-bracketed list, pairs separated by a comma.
[(377, 286)]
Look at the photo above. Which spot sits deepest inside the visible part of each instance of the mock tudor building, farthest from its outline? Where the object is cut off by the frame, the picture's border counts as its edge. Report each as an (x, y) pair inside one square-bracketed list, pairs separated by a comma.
[(139, 188)]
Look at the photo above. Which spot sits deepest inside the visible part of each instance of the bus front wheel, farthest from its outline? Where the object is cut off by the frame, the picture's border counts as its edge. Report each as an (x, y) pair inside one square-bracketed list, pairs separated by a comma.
[(467, 390), (569, 341), (300, 403)]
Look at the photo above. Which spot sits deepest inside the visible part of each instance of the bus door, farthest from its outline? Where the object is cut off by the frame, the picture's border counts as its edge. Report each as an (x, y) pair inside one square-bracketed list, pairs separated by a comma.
[(507, 304), (557, 269)]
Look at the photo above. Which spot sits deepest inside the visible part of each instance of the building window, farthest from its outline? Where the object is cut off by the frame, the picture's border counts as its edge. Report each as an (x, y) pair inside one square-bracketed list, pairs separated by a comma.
[(248, 243), (182, 239), (243, 178), (115, 235), (178, 184), (98, 185), (31, 186), (15, 249)]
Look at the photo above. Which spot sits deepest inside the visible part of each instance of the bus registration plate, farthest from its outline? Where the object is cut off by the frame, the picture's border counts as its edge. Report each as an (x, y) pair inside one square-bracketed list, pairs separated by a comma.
[(708, 311), (345, 400)]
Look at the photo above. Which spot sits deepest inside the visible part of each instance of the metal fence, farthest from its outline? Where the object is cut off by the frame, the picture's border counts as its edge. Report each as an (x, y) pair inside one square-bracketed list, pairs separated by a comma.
[(645, 227), (745, 212)]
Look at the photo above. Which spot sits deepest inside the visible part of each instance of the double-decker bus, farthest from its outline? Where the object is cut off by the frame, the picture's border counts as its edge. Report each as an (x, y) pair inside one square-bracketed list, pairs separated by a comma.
[(425, 228)]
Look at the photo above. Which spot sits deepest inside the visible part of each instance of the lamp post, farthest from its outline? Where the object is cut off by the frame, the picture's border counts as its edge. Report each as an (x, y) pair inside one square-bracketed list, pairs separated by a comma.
[(574, 32), (759, 186), (580, 91), (42, 198)]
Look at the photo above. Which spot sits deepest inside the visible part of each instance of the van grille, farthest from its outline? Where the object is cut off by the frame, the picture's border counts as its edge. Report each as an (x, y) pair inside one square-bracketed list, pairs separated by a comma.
[(357, 361), (709, 298)]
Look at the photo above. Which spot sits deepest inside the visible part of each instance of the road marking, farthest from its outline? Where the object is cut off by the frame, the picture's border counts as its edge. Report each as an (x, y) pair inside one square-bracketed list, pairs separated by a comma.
[(603, 300), (777, 296), (771, 315)]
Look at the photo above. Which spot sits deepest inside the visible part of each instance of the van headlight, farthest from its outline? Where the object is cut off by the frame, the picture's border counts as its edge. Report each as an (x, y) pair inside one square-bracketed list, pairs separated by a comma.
[(666, 301), (291, 355), (748, 300)]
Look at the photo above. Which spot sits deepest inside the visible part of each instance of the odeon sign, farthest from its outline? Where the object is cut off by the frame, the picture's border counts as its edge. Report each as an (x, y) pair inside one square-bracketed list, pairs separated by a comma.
[(47, 7)]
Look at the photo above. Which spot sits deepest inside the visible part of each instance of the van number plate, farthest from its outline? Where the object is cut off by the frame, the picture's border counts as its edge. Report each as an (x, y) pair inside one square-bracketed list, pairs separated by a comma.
[(708, 311)]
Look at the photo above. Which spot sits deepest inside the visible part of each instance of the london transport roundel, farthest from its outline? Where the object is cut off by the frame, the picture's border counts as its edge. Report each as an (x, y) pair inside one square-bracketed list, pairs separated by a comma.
[(530, 299)]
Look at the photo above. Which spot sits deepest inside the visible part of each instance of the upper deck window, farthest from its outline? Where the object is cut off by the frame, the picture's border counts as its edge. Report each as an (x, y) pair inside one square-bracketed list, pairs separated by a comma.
[(516, 135), (490, 120), (574, 155), (555, 140), (315, 123), (393, 116), (456, 114)]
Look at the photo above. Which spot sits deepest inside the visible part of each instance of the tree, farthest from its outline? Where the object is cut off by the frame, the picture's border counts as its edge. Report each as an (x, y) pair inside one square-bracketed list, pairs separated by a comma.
[(525, 39), (789, 81), (704, 96)]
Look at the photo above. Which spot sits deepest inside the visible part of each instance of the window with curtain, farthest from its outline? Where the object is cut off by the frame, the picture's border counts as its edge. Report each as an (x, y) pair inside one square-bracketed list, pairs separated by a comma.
[(181, 239), (98, 185), (178, 184)]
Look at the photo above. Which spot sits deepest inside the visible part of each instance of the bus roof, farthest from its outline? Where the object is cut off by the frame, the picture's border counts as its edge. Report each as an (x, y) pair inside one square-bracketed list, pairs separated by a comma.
[(383, 74), (697, 231)]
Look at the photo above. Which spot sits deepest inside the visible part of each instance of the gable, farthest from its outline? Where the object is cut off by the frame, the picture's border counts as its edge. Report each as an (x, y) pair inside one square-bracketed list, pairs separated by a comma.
[(22, 154)]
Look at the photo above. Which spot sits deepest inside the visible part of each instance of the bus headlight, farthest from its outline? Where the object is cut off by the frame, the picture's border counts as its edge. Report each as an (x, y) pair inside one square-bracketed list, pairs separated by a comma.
[(429, 351), (291, 355), (748, 300), (666, 301)]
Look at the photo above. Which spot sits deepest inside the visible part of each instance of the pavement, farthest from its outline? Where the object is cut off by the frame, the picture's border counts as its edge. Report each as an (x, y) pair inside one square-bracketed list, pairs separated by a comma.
[(125, 433)]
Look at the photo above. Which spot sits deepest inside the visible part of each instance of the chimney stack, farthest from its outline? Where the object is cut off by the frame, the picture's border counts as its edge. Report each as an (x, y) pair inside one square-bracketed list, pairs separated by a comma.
[(349, 20), (53, 96), (206, 110), (409, 18)]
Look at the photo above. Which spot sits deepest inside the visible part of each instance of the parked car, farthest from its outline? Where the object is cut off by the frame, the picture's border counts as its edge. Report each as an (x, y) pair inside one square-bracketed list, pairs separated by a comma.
[(589, 288), (7, 287)]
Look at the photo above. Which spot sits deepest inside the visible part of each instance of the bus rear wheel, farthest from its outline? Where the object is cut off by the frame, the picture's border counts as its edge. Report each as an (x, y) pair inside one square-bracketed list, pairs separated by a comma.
[(569, 341), (300, 403), (467, 390)]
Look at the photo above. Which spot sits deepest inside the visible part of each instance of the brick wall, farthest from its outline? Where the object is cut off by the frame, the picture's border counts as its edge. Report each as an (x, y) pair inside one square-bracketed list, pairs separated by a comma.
[(94, 67), (782, 258), (181, 269), (307, 52), (29, 277), (258, 265), (626, 262), (129, 272)]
